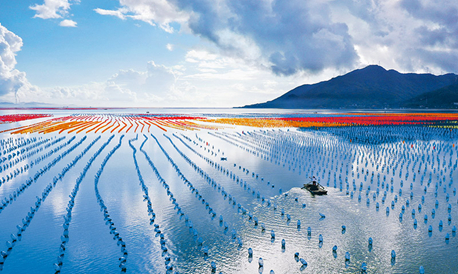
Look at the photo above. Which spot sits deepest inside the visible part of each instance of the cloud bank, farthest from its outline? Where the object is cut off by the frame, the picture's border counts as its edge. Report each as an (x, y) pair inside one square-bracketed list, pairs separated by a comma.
[(290, 37), (11, 79)]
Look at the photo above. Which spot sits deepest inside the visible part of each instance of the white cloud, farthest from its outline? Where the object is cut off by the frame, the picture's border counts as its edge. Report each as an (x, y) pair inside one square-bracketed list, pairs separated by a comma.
[(11, 79), (51, 9), (67, 23), (160, 12), (169, 47), (117, 13)]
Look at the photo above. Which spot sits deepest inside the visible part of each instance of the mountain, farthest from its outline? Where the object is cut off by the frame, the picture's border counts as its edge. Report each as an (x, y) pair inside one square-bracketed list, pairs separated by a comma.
[(11, 105), (446, 97), (370, 87)]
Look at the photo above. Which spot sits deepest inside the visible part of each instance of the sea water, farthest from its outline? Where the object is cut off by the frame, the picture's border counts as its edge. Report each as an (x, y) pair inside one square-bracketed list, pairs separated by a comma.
[(267, 192)]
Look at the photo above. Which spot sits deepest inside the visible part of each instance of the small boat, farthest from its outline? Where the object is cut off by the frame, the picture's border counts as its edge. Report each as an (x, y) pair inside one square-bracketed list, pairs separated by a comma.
[(315, 188), (223, 158)]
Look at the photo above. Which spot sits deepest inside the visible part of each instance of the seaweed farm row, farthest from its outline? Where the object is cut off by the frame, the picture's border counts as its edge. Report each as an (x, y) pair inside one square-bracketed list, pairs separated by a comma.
[(222, 193), (140, 123)]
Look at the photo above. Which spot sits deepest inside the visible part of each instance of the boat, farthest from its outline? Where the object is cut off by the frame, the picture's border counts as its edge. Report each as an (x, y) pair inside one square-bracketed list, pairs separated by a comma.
[(315, 188), (223, 158)]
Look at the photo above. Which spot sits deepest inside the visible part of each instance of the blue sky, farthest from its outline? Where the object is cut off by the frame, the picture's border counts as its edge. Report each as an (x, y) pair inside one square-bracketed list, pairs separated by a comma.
[(210, 53)]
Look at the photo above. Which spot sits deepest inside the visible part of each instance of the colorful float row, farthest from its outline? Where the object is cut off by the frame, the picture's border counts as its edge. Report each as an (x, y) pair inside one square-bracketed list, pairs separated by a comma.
[(141, 123), (363, 119), (12, 118), (110, 124)]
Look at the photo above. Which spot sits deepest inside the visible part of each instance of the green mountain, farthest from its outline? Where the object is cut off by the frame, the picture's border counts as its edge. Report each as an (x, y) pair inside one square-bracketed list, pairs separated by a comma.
[(446, 97), (370, 87)]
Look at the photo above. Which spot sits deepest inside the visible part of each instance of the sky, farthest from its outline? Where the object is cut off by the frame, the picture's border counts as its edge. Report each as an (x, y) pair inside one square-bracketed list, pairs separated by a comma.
[(210, 53)]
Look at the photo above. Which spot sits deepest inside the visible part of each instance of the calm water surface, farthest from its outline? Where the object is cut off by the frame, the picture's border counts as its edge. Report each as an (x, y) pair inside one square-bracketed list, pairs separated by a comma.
[(92, 249)]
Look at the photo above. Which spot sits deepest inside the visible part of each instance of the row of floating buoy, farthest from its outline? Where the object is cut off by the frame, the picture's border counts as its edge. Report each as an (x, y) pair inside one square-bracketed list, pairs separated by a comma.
[(52, 151), (196, 191), (9, 145), (221, 135), (26, 221), (23, 157), (164, 249), (400, 193), (71, 203), (108, 220), (198, 196), (250, 215), (245, 185), (24, 154), (407, 204), (19, 190), (328, 157), (258, 195), (232, 201)]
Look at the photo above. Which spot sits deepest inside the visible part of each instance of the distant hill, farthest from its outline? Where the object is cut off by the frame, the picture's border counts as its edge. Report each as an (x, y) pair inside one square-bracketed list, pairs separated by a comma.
[(446, 97), (26, 105), (370, 87)]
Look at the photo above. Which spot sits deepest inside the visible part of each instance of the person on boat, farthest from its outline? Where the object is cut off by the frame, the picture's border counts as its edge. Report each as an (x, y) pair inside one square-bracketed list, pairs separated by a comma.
[(314, 185)]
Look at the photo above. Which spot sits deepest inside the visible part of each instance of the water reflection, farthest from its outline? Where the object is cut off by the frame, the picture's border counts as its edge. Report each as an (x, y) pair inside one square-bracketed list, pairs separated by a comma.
[(263, 222)]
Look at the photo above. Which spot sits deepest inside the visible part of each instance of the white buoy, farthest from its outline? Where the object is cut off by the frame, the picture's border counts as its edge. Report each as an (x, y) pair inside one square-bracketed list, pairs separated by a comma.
[(260, 262), (303, 262)]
